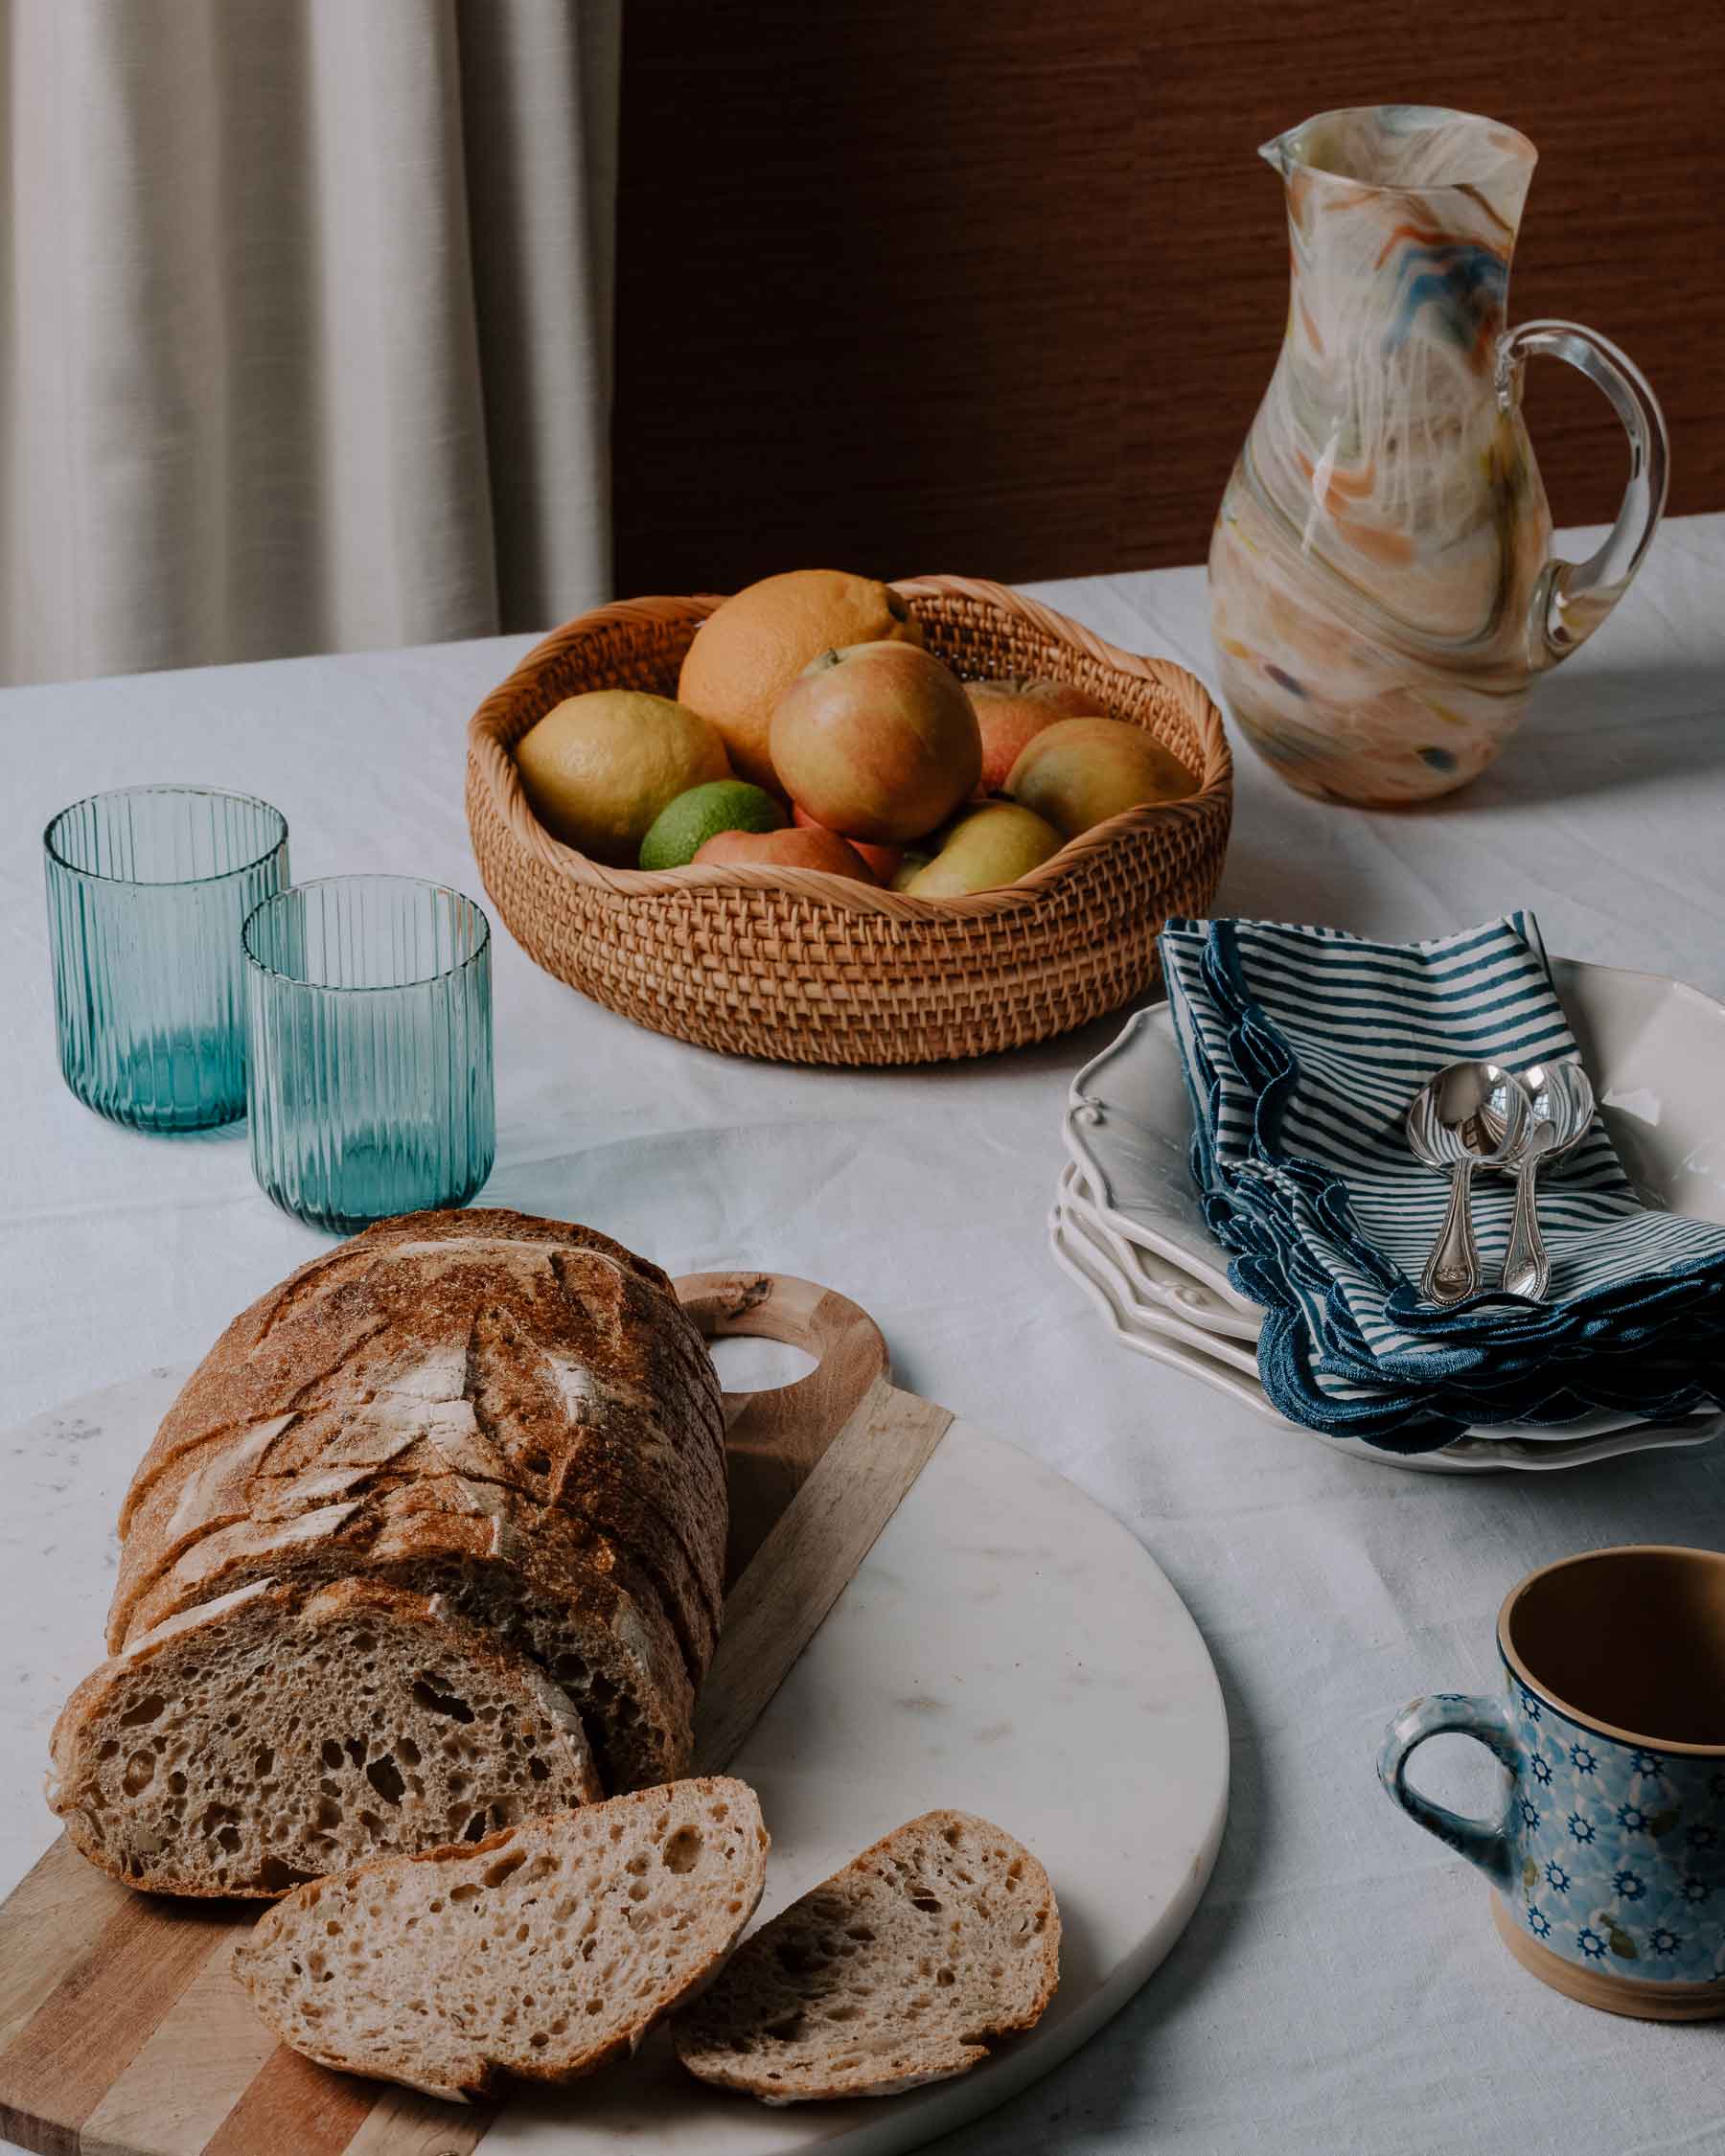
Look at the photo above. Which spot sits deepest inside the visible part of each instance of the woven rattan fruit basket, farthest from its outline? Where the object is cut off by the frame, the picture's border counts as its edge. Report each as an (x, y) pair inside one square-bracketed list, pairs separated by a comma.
[(805, 967)]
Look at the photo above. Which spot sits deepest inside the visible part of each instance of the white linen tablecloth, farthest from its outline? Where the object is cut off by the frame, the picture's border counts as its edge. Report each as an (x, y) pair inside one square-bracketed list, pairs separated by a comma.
[(1340, 1989)]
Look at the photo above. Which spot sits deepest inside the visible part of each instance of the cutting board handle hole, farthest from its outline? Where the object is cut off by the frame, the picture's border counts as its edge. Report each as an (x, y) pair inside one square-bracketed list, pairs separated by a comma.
[(824, 1348), (753, 1364)]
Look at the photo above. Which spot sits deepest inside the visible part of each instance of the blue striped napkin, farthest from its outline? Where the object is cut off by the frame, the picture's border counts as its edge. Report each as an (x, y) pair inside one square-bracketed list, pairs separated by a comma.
[(1302, 1047)]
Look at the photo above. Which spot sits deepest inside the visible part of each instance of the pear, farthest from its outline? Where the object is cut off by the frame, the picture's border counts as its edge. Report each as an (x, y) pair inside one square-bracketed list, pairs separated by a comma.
[(992, 845)]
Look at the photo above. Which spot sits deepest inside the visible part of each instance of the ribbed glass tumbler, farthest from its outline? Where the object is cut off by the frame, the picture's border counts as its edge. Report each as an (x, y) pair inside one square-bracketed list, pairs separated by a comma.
[(369, 1027), (149, 890)]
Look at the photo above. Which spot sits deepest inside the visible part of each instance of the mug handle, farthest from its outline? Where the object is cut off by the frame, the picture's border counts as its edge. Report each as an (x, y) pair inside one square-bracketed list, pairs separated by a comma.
[(1573, 598), (1461, 1715)]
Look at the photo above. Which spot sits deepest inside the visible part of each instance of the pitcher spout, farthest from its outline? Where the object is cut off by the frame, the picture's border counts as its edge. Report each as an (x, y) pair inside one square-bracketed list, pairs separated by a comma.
[(1423, 149)]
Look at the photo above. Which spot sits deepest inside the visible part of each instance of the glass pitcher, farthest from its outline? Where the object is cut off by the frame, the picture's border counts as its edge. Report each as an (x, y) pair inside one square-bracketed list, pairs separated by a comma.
[(1382, 587)]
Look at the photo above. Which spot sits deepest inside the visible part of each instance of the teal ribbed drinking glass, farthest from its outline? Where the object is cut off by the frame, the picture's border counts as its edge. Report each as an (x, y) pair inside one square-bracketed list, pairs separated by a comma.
[(369, 1032), (149, 890)]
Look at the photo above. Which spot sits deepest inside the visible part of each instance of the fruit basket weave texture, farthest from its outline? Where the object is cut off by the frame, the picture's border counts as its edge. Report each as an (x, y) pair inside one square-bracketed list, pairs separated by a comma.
[(806, 967)]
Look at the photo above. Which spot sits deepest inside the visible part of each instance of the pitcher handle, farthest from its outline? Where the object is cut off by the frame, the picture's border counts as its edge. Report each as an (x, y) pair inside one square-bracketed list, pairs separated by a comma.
[(1485, 1843), (1573, 598)]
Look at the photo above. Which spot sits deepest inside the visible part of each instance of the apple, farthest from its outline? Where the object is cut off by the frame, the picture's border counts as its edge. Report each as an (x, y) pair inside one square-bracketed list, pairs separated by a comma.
[(877, 742), (992, 845), (1008, 713), (1081, 771), (883, 860), (786, 849)]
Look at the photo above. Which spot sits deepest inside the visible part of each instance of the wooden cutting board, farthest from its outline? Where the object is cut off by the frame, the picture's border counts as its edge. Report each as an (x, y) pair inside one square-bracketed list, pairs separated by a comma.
[(1003, 1647), (120, 2029)]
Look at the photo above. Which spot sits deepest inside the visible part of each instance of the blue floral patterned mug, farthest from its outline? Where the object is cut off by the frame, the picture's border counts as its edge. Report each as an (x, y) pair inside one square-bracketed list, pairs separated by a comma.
[(1609, 1859)]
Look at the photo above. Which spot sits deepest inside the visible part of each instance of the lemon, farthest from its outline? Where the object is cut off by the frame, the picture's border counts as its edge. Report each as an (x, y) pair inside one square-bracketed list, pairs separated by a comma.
[(683, 826), (599, 768)]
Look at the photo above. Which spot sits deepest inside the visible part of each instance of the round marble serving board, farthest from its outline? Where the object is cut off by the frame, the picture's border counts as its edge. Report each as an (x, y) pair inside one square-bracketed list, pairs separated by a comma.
[(1008, 1648)]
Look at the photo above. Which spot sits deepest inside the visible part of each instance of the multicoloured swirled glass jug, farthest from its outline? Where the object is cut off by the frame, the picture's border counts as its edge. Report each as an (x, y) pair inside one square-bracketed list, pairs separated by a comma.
[(1383, 591)]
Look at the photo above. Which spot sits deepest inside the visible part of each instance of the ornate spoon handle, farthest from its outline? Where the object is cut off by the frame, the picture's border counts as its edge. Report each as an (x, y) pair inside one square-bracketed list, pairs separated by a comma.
[(1526, 1266), (1452, 1271)]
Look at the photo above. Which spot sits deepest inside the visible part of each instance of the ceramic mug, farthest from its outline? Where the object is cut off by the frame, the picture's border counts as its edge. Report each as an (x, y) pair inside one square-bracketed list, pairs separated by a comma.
[(1609, 1858)]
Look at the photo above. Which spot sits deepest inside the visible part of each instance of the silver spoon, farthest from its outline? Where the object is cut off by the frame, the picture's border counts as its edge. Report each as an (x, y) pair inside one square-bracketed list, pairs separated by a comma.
[(1471, 1114), (1561, 1099)]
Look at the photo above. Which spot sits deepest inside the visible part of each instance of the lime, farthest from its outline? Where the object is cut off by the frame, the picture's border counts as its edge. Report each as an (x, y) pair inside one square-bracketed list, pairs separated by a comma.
[(683, 826)]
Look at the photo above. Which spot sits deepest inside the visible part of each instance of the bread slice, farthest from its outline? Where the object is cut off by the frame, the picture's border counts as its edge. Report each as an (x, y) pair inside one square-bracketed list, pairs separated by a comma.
[(532, 1575), (544, 1952), (270, 1737), (895, 1971)]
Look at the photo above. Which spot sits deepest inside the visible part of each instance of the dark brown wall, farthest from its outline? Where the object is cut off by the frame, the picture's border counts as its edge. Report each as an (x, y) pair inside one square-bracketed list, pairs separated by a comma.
[(995, 289)]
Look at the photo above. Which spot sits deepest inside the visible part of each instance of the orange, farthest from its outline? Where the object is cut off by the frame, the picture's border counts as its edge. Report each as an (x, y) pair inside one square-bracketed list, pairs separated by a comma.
[(747, 653)]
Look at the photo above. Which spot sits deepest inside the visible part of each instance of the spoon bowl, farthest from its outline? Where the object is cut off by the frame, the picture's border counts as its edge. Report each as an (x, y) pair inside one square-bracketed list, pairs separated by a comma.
[(1560, 1109), (1468, 1116)]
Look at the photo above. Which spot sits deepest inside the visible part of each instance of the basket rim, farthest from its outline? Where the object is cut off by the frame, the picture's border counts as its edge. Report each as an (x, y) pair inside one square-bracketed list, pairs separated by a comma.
[(494, 768)]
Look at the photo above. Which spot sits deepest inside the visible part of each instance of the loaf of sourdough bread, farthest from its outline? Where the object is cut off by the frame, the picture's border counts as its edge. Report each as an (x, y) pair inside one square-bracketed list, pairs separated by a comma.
[(515, 1413)]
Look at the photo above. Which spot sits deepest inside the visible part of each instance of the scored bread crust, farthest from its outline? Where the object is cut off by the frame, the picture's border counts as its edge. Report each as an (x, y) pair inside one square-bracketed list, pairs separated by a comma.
[(544, 1370), (537, 1578), (539, 1955), (888, 1975), (219, 1486), (272, 1737), (415, 1283)]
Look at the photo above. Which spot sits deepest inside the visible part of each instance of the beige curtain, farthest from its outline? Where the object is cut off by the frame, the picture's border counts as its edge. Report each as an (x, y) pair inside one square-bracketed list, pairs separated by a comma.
[(304, 324)]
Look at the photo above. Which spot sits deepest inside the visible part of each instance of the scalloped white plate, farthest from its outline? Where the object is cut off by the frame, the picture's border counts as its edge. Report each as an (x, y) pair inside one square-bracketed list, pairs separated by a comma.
[(1077, 1257), (1156, 1281), (1655, 1049), (1161, 1302), (1179, 1315)]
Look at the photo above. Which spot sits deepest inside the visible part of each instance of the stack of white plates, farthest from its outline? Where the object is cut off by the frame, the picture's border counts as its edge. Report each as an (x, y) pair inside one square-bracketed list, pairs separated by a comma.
[(1127, 1227)]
